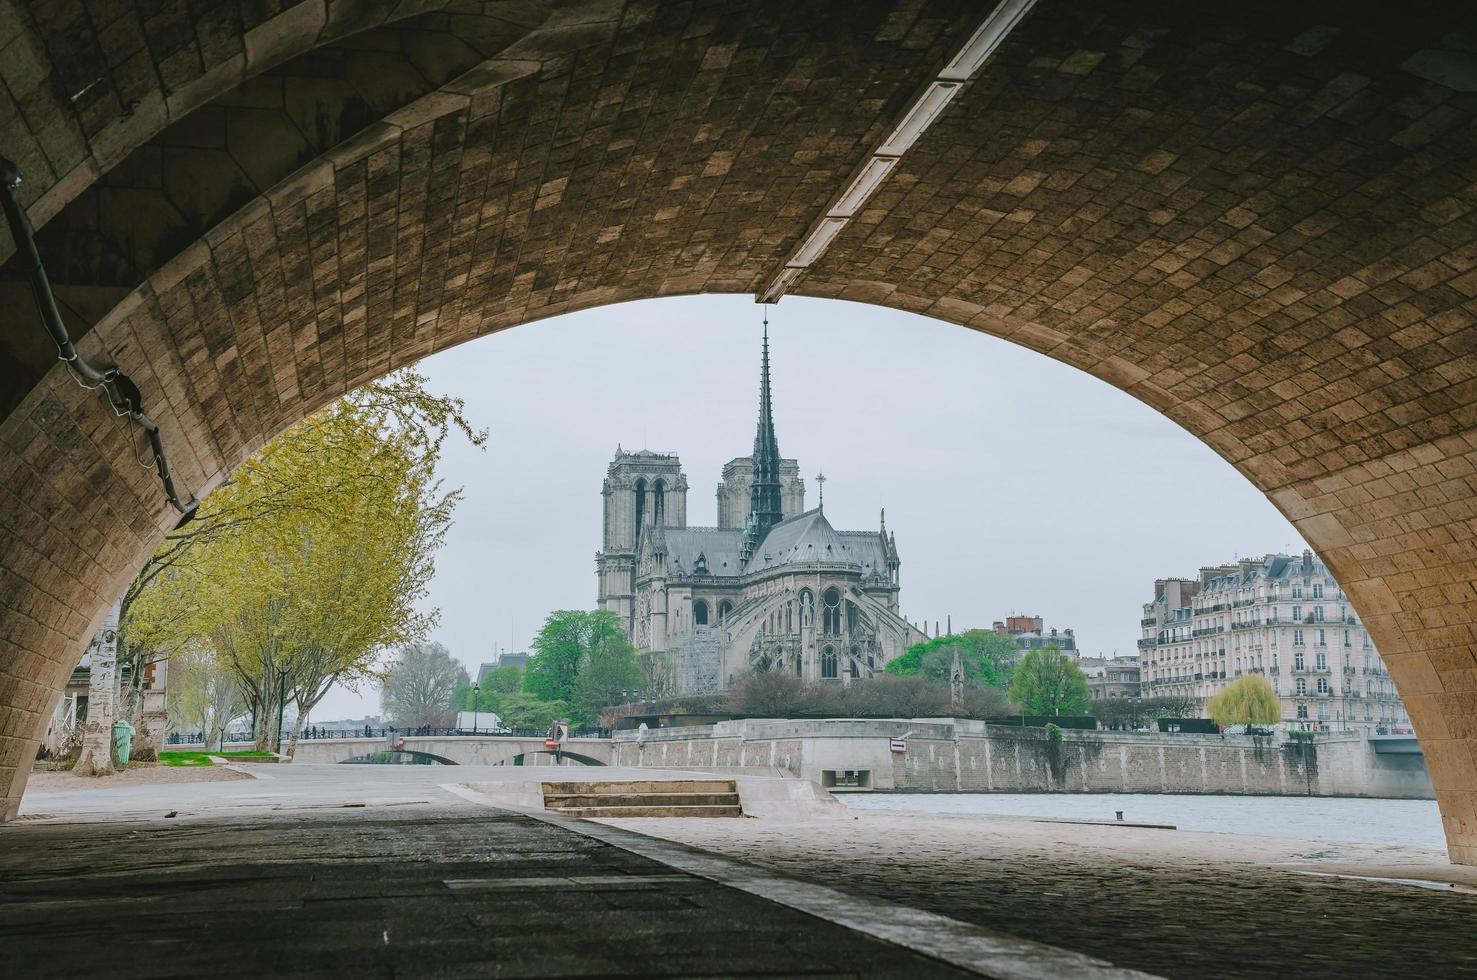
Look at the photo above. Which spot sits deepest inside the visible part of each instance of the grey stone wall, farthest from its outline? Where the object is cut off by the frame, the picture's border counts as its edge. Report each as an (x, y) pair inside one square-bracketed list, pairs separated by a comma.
[(945, 755)]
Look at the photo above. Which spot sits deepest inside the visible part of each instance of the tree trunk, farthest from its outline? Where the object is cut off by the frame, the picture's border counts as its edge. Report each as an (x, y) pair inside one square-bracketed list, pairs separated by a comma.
[(153, 711), (96, 758), (266, 717), (297, 731)]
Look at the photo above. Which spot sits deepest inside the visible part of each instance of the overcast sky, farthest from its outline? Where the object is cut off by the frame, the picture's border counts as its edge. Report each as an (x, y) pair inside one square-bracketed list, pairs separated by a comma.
[(1013, 483)]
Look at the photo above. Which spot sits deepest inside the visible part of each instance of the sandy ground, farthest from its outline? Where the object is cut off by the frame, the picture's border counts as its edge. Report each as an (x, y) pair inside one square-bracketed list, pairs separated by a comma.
[(984, 837), (138, 774), (1174, 903), (944, 837)]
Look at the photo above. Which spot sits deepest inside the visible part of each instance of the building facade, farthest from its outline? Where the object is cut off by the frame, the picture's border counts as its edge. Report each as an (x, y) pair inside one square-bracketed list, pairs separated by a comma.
[(1111, 677), (773, 587), (1030, 633), (1283, 617)]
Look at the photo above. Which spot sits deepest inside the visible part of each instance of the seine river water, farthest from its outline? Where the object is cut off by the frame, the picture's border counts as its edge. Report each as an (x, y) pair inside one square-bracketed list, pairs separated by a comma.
[(1414, 823)]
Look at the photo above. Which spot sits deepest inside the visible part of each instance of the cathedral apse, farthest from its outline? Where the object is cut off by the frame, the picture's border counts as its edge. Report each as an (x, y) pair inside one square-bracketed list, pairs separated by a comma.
[(773, 587)]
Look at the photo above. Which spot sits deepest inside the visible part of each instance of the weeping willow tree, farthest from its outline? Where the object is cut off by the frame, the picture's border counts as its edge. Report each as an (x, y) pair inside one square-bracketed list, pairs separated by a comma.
[(1248, 700)]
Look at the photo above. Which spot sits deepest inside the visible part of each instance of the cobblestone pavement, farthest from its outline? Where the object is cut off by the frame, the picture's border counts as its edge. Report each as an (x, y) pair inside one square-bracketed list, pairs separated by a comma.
[(1084, 889), (430, 890)]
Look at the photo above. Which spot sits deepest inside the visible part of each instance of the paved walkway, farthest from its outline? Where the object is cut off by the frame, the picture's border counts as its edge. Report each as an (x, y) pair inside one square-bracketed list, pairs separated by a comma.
[(372, 872), (413, 891), (384, 871)]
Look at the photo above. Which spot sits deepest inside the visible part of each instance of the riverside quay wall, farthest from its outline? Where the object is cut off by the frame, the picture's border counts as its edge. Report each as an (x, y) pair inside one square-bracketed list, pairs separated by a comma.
[(956, 754)]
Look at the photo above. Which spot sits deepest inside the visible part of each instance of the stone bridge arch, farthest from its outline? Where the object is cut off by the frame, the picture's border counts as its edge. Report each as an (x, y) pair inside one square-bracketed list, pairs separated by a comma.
[(459, 750), (1257, 221)]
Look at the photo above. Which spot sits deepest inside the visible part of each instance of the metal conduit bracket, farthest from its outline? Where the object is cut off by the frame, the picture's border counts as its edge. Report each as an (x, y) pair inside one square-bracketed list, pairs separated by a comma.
[(123, 394)]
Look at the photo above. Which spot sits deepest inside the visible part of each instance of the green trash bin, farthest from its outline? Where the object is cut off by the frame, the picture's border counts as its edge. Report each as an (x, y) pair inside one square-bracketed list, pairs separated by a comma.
[(122, 740)]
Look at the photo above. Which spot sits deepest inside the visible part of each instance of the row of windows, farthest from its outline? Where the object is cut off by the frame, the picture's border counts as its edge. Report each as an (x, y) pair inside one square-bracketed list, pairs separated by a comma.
[(700, 611), (830, 612), (1216, 645), (829, 664), (1272, 592)]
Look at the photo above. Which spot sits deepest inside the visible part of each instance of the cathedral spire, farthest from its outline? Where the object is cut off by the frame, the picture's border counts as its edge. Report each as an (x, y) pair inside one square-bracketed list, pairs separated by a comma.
[(765, 506)]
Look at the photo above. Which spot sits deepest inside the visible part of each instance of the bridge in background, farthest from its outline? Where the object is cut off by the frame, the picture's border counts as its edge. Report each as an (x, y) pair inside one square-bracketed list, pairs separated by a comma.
[(461, 750)]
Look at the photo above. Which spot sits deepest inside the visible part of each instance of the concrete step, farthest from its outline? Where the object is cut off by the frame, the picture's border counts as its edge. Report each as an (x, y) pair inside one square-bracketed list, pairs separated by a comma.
[(651, 811), (644, 798), (636, 786), (563, 800)]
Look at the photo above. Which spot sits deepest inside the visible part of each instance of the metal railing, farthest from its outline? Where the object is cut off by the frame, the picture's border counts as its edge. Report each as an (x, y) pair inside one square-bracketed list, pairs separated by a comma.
[(314, 732), (192, 738)]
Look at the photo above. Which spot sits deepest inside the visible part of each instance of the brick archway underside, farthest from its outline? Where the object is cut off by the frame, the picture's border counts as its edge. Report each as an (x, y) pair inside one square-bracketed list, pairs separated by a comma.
[(1259, 222)]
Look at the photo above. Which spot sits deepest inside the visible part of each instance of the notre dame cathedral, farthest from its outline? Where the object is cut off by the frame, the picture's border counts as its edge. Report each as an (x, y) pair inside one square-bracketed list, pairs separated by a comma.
[(772, 587)]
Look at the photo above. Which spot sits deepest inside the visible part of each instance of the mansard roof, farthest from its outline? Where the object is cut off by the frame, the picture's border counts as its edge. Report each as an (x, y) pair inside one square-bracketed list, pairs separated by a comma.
[(1282, 569)]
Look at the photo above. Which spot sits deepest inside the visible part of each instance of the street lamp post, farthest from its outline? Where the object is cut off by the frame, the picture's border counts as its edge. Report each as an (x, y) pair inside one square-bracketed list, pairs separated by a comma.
[(476, 689)]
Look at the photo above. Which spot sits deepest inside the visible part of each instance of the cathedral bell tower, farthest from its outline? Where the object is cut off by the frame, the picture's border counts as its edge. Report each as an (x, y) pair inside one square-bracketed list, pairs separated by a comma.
[(642, 491)]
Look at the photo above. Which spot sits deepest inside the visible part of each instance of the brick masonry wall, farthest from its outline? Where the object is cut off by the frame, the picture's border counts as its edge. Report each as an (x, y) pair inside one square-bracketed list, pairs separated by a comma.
[(1256, 218)]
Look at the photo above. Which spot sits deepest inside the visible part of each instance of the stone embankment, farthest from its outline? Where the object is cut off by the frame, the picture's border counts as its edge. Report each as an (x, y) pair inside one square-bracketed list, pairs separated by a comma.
[(963, 755)]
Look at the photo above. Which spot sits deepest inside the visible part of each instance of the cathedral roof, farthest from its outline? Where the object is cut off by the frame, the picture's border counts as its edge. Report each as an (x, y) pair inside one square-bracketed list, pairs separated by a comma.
[(869, 549), (719, 547), (807, 537)]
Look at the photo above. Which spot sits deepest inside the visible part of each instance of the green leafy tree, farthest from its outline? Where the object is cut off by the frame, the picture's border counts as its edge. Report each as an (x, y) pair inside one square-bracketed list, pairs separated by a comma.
[(524, 710), (609, 674), (987, 658), (568, 638), (1048, 682), (502, 680), (1248, 700), (557, 651), (496, 684)]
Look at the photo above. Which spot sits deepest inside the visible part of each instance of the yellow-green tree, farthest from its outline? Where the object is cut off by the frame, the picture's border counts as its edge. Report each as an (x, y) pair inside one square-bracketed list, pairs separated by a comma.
[(1048, 682), (1248, 700), (203, 693), (311, 559)]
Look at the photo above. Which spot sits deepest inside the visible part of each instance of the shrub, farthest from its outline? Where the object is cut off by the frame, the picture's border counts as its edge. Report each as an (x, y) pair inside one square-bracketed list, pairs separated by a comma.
[(777, 695)]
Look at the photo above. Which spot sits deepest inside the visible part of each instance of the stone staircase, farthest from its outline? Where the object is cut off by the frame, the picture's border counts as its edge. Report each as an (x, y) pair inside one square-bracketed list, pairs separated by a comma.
[(645, 798)]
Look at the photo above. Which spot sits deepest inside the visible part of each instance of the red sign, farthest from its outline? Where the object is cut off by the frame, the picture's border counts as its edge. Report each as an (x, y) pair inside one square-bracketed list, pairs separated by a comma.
[(897, 745)]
